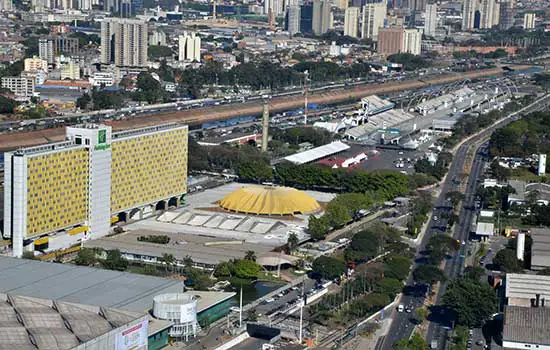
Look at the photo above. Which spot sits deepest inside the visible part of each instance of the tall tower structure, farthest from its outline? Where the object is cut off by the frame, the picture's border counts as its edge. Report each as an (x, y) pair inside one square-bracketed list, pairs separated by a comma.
[(469, 8), (293, 19), (374, 15), (430, 21), (322, 17), (265, 127), (487, 14), (351, 21)]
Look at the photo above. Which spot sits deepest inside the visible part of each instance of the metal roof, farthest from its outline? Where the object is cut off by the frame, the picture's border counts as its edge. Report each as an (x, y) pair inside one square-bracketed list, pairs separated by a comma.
[(523, 286), (529, 325), (485, 228), (540, 249), (83, 285), (33, 323), (317, 153)]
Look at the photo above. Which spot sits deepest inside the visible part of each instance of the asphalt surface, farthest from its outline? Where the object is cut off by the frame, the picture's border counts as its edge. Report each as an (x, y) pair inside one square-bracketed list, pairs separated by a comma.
[(402, 326)]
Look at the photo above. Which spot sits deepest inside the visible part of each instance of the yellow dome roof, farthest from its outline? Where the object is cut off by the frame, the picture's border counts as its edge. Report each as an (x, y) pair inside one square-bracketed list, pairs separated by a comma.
[(267, 200)]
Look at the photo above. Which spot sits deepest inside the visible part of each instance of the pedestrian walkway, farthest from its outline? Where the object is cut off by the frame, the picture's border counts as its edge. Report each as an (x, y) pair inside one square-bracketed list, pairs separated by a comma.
[(370, 341)]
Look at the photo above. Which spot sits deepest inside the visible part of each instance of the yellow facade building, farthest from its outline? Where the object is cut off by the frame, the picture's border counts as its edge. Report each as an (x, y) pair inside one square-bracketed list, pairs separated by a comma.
[(75, 188)]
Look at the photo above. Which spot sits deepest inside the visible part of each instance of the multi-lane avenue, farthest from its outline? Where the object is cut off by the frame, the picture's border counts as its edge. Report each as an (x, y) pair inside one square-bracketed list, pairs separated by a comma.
[(401, 325)]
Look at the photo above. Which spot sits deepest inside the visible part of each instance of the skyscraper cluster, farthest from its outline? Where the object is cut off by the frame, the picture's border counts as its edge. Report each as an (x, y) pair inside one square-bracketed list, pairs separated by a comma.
[(312, 17)]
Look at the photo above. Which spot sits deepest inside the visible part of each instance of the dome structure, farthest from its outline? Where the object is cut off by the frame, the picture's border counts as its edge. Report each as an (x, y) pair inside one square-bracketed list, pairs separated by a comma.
[(269, 200)]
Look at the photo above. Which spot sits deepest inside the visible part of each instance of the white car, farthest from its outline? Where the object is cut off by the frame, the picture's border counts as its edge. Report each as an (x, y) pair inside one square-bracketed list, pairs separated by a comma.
[(400, 308)]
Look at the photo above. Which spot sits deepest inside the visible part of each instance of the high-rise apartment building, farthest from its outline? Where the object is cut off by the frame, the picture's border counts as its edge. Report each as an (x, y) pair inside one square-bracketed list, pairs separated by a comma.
[(275, 6), (351, 22), (373, 18), (70, 70), (124, 42), (22, 87), (430, 20), (46, 50), (469, 8), (343, 4), (487, 8), (292, 19), (189, 47), (78, 187), (322, 17), (529, 21), (399, 40), (507, 14)]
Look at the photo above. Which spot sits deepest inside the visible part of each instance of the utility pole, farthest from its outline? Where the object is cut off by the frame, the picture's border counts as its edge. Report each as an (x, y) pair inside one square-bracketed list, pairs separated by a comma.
[(241, 309), (305, 96)]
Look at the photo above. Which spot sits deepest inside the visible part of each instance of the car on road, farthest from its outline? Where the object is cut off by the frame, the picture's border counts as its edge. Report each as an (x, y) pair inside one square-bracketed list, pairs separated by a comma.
[(400, 308)]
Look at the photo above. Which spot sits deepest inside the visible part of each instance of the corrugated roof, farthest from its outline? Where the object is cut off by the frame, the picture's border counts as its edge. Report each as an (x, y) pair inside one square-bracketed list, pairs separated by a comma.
[(317, 153), (540, 249), (485, 228), (83, 285), (523, 286), (527, 325)]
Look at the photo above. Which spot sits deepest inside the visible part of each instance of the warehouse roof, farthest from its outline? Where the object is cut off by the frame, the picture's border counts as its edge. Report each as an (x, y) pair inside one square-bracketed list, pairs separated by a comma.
[(31, 323), (524, 286), (317, 153), (540, 249), (527, 325), (84, 285)]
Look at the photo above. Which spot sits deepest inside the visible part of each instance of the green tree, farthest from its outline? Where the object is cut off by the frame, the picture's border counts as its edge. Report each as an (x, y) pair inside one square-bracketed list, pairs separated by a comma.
[(224, 269), (396, 266), (150, 88), (257, 172), (250, 255), (7, 105), (246, 269), (421, 314), (292, 242), (168, 261), (338, 215), (328, 267), (115, 261), (428, 274), (507, 261), (83, 101), (416, 342), (159, 51), (86, 257), (472, 301), (390, 286), (318, 227), (188, 262)]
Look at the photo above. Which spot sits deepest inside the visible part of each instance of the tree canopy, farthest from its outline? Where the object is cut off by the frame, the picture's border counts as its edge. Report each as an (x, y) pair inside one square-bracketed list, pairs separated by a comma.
[(328, 267), (472, 301)]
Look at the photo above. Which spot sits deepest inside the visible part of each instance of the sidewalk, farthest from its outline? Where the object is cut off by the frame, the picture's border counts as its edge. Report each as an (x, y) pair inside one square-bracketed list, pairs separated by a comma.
[(371, 341)]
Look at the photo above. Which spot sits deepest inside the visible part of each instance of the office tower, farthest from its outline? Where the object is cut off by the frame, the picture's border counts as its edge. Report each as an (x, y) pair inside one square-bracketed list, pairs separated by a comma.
[(84, 5), (112, 6), (487, 13), (276, 7), (322, 17), (507, 13), (46, 50), (292, 20), (430, 21), (351, 20), (396, 40), (373, 19), (529, 21), (124, 42), (189, 47), (306, 18), (80, 186), (469, 8)]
